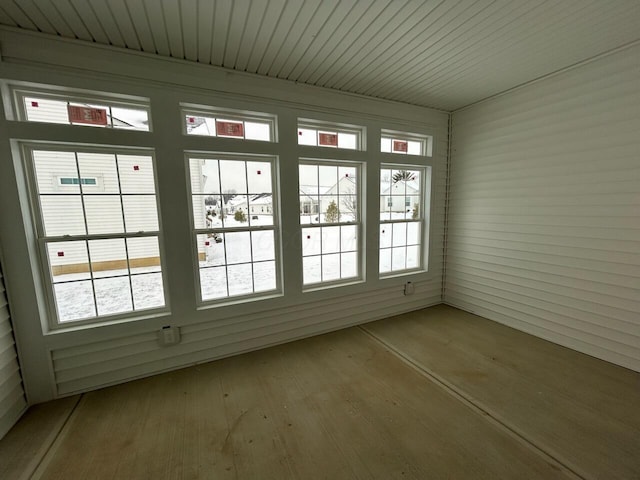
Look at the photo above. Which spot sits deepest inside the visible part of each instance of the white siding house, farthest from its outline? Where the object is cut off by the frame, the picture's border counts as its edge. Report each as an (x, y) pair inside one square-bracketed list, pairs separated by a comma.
[(399, 197)]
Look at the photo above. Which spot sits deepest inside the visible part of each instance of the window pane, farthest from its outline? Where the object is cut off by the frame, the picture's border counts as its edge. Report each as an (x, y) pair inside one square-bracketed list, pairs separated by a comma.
[(237, 208), (198, 125), (311, 270), (44, 110), (328, 178), (50, 167), (385, 145), (347, 140), (211, 249), (398, 258), (261, 210), (330, 239), (233, 176), (330, 267), (74, 300), (113, 295), (413, 256), (349, 238), (100, 166), (136, 174), (349, 264), (414, 148), (262, 245), (144, 254), (385, 235), (240, 279), (69, 261), (413, 233), (238, 247), (104, 214), (108, 257), (264, 276), (62, 215), (257, 131), (306, 136), (311, 241), (130, 118), (148, 291), (399, 234), (140, 213), (202, 219), (213, 283), (259, 177), (205, 176)]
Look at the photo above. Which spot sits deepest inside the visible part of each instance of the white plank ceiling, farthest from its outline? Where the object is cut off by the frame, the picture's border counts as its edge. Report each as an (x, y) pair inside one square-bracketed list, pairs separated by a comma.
[(438, 53)]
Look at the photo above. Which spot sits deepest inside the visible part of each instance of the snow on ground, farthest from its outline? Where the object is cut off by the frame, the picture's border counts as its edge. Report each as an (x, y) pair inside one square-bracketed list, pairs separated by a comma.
[(75, 300), (329, 253)]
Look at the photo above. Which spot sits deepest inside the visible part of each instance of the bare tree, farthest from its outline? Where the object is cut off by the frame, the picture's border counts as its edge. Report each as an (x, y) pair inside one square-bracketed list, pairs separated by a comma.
[(349, 202)]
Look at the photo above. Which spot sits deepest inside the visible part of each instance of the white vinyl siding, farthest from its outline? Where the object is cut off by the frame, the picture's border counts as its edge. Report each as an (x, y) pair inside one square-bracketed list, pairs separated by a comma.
[(12, 400), (544, 219)]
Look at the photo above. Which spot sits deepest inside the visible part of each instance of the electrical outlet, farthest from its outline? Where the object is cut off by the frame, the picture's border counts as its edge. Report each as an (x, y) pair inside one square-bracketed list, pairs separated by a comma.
[(409, 288), (169, 335)]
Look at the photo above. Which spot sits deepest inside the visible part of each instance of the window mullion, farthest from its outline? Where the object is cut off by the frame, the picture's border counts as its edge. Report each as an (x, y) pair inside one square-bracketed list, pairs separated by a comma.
[(86, 242)]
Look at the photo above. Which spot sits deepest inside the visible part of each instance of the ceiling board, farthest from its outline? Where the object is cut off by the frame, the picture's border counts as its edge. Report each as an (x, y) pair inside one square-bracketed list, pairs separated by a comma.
[(436, 53)]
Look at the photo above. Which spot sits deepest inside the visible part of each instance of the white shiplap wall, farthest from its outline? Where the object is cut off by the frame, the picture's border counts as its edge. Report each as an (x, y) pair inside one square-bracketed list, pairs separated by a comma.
[(544, 219), (12, 400)]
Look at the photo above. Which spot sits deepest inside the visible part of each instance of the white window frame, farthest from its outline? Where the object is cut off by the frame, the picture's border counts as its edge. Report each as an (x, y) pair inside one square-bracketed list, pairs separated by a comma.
[(426, 141), (358, 223), (19, 93), (330, 127), (188, 109), (195, 232), (423, 220), (43, 240)]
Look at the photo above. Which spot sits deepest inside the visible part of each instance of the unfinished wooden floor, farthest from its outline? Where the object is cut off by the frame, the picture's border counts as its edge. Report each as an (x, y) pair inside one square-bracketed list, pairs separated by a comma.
[(433, 394)]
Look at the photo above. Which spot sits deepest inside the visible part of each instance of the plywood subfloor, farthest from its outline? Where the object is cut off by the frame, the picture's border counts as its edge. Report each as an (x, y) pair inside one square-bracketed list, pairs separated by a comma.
[(582, 411), (432, 394)]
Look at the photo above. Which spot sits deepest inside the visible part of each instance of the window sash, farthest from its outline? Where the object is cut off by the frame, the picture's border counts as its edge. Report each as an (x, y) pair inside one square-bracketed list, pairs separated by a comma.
[(224, 230), (45, 240)]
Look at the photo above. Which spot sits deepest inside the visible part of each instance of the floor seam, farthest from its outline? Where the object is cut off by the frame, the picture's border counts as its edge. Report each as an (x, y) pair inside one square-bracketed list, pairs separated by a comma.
[(31, 475), (476, 406)]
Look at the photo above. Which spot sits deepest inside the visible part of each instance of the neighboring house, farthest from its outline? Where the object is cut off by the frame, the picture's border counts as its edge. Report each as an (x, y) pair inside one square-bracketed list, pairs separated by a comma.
[(344, 194), (58, 174), (400, 196), (261, 204), (238, 202), (308, 200)]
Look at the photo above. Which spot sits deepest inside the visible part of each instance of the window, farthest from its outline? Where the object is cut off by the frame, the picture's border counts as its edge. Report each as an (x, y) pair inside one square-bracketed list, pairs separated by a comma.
[(101, 246), (229, 124), (330, 220), (78, 108), (402, 218), (405, 143), (77, 181), (318, 134), (234, 221)]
